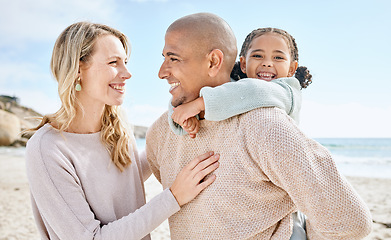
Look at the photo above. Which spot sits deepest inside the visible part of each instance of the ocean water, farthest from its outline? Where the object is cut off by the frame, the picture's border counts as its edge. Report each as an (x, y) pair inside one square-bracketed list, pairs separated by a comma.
[(364, 157)]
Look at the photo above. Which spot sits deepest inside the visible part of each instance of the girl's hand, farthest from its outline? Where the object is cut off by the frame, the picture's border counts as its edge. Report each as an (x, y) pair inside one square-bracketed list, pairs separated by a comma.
[(190, 180), (188, 110), (192, 126)]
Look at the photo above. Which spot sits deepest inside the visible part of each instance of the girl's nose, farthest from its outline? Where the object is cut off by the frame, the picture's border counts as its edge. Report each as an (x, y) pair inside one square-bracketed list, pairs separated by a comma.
[(267, 64)]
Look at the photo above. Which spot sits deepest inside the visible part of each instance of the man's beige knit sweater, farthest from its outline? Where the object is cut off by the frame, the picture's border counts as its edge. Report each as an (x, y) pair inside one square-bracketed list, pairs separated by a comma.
[(268, 169)]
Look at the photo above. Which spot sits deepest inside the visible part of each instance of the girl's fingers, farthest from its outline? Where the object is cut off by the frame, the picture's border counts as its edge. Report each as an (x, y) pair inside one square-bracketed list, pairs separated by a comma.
[(196, 129), (183, 120), (185, 123), (190, 128)]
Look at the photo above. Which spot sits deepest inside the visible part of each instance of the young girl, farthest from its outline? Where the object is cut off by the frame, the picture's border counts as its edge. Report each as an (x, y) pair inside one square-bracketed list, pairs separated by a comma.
[(85, 174), (267, 54)]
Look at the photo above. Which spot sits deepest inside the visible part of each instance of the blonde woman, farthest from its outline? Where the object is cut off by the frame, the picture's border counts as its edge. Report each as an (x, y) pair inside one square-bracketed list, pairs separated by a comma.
[(85, 174)]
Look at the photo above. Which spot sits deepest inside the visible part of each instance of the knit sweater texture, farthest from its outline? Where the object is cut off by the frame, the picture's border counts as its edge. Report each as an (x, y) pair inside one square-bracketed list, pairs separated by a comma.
[(236, 97), (78, 193), (268, 170)]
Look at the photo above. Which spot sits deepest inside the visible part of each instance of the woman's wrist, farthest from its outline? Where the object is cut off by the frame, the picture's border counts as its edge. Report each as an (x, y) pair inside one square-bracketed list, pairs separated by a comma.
[(173, 194)]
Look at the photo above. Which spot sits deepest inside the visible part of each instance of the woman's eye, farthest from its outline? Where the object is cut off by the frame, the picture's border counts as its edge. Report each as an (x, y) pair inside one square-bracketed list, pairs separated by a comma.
[(113, 62)]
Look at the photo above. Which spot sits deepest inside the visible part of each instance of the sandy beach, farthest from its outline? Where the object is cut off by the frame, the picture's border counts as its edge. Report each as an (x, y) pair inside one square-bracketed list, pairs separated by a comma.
[(16, 220)]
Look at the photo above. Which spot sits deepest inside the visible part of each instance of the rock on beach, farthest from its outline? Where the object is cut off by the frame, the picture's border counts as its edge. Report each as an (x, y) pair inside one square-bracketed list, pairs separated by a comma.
[(9, 128)]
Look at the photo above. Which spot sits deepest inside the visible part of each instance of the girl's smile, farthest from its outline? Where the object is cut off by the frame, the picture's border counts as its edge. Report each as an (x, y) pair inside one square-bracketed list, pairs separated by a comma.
[(267, 76)]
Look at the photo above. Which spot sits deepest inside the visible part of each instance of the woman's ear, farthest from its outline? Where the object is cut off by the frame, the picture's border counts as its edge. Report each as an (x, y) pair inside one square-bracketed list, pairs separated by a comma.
[(242, 64), (293, 68), (81, 65), (216, 59)]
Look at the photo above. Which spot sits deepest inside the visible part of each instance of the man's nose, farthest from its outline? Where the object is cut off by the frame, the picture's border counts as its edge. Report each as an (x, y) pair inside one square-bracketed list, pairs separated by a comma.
[(163, 71)]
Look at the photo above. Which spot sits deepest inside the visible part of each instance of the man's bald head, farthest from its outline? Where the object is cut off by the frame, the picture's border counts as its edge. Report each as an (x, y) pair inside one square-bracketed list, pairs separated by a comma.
[(205, 32)]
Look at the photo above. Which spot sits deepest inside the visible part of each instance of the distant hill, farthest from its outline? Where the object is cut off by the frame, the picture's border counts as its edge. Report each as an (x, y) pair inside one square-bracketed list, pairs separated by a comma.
[(12, 105), (140, 131)]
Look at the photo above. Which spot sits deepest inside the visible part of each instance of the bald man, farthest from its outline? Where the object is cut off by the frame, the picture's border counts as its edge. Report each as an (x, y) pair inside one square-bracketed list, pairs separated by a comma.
[(268, 167)]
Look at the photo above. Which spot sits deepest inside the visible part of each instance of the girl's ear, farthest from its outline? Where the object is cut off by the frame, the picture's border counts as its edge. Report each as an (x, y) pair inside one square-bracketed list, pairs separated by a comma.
[(243, 64), (216, 59), (292, 68)]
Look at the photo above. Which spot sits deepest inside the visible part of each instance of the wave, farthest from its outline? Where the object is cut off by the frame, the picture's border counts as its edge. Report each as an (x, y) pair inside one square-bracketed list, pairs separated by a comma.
[(371, 160)]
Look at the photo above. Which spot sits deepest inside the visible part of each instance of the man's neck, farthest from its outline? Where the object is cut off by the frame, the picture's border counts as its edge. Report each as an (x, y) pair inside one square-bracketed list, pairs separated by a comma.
[(220, 80)]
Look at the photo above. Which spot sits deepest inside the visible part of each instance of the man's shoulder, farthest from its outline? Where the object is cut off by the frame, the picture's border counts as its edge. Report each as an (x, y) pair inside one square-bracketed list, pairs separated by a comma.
[(160, 123), (265, 119), (162, 119)]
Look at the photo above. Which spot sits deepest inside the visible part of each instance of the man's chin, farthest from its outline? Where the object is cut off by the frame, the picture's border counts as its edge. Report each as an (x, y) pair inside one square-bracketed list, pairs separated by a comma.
[(177, 102)]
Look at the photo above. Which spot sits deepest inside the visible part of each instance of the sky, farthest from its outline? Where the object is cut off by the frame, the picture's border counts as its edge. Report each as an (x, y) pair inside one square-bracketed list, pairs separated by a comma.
[(346, 45)]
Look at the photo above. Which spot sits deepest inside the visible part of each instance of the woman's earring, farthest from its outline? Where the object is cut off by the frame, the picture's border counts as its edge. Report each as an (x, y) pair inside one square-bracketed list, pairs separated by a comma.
[(78, 86)]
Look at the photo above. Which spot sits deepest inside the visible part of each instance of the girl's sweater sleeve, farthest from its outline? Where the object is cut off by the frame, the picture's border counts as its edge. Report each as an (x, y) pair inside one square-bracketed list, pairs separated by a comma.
[(234, 98), (63, 210)]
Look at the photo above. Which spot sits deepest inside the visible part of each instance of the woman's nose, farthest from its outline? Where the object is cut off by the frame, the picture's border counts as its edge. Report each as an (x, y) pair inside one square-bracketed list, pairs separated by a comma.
[(126, 74)]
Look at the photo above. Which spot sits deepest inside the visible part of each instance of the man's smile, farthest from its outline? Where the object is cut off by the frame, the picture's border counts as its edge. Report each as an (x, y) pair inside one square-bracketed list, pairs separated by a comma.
[(174, 85)]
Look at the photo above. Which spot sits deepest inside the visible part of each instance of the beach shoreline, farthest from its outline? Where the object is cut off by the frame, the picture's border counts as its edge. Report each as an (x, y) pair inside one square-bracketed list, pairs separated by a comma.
[(16, 220)]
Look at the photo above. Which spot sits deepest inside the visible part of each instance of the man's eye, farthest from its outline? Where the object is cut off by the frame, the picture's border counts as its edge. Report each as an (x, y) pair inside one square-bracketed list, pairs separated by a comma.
[(174, 59)]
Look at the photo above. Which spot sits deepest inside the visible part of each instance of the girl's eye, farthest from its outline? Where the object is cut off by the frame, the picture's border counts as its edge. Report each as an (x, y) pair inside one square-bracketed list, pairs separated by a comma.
[(256, 56), (279, 58), (113, 62)]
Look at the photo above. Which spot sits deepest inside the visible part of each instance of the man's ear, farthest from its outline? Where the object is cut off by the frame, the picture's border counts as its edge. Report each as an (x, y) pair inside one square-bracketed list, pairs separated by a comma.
[(216, 59), (242, 64), (292, 68)]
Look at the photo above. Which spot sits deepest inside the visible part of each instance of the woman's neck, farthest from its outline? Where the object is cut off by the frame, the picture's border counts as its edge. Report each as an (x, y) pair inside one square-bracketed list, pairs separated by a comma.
[(88, 121)]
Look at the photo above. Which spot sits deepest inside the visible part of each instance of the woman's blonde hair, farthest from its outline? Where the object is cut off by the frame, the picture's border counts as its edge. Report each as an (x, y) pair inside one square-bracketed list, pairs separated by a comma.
[(74, 45)]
